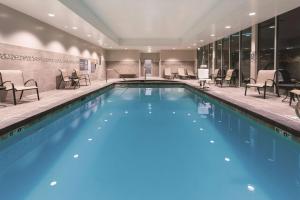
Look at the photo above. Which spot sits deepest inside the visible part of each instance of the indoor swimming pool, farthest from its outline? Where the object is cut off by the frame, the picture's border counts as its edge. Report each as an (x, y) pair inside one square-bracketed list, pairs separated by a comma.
[(149, 142)]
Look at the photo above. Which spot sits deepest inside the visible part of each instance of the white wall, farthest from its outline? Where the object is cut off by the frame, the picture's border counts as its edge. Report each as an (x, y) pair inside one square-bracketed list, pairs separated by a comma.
[(178, 55), (22, 35), (122, 55)]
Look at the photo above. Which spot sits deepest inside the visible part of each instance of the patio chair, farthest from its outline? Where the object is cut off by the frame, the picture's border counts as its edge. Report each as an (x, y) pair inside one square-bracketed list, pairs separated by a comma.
[(81, 76), (218, 76), (182, 73), (14, 80), (230, 77), (191, 74), (265, 79), (167, 73), (68, 80)]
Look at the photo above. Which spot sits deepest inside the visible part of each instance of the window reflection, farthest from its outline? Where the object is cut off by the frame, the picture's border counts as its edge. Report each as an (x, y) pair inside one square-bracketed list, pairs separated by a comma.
[(266, 35), (289, 45), (225, 48), (218, 54), (234, 51), (245, 55)]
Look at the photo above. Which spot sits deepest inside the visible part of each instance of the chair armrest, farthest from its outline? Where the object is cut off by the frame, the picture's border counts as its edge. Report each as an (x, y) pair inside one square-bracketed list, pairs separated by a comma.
[(273, 82), (2, 84), (252, 80), (31, 80), (8, 82)]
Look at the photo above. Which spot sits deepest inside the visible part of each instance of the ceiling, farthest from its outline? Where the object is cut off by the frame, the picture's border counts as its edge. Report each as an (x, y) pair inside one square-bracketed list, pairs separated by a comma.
[(152, 24)]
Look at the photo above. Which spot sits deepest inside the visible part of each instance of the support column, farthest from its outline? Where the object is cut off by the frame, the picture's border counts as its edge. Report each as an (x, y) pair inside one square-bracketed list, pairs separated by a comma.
[(254, 52)]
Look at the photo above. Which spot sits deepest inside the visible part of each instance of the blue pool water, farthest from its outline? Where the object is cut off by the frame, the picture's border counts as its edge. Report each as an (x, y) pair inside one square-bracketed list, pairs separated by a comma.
[(149, 144)]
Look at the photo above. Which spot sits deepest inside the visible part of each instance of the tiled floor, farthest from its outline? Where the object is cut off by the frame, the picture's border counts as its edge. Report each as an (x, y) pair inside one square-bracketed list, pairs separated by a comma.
[(272, 107)]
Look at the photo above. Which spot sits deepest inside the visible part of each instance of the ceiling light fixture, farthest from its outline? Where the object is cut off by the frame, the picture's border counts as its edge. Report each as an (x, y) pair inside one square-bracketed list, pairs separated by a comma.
[(201, 40), (74, 27), (51, 15), (252, 14), (228, 27), (89, 35), (212, 35)]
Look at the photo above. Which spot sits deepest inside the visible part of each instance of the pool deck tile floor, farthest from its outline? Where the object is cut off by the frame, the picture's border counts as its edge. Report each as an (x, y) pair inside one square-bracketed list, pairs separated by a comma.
[(272, 107)]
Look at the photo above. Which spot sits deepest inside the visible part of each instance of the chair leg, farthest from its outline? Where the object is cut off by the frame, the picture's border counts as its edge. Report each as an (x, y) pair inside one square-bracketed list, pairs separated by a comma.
[(265, 90), (246, 90), (61, 80), (38, 94), (21, 95), (258, 90), (277, 91), (14, 94), (291, 98)]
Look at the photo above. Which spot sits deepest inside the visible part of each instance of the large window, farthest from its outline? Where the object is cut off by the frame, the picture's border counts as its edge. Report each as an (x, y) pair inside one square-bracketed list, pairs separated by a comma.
[(205, 55), (266, 35), (289, 44), (245, 55), (225, 48), (218, 54), (234, 50)]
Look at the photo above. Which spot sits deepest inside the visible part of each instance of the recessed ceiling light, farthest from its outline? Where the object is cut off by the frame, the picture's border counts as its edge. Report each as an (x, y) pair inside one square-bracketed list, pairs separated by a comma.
[(51, 15), (201, 40), (212, 35), (252, 14), (228, 27), (74, 28), (89, 35), (199, 48)]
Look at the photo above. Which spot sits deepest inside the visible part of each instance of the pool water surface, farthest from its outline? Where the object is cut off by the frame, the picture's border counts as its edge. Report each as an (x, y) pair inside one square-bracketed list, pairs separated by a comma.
[(149, 143)]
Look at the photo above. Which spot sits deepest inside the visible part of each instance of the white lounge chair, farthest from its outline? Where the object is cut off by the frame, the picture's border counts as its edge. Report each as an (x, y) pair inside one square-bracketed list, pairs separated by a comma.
[(265, 79), (191, 74), (167, 73), (14, 80), (229, 78), (182, 73)]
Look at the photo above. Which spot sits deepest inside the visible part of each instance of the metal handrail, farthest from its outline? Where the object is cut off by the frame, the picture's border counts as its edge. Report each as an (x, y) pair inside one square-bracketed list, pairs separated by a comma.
[(114, 71)]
